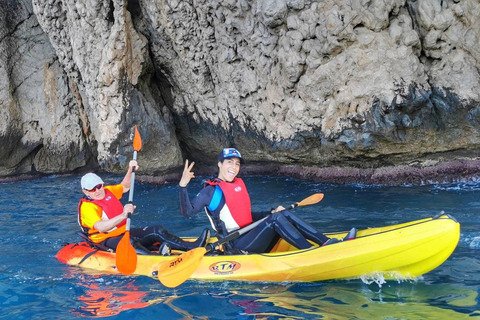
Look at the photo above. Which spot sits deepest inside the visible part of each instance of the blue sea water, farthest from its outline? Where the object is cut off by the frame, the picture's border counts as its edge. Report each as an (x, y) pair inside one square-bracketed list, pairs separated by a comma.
[(38, 216)]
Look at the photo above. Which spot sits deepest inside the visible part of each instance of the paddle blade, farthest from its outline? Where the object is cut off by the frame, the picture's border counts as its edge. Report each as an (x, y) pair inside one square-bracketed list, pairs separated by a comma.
[(314, 198), (176, 271), (126, 256), (137, 140)]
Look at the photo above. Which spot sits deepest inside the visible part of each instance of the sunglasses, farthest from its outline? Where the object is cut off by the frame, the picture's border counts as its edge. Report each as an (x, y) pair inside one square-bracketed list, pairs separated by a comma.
[(97, 187)]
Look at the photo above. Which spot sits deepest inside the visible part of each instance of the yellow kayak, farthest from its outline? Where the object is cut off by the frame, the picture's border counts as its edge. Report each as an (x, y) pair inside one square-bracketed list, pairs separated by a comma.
[(402, 251)]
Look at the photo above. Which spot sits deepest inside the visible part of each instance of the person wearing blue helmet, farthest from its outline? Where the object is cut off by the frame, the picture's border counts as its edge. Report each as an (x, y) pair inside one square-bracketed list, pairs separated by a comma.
[(228, 207)]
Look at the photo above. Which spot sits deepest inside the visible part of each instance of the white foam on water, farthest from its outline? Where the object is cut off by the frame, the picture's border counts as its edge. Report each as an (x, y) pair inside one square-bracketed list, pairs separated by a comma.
[(380, 278), (475, 244)]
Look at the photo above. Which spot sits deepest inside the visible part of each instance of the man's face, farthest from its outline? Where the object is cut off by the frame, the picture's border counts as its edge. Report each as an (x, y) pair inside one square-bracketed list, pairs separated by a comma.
[(228, 169)]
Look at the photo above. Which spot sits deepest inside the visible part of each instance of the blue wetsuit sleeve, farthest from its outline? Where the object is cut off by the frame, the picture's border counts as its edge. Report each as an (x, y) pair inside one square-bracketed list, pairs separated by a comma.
[(202, 199), (259, 215)]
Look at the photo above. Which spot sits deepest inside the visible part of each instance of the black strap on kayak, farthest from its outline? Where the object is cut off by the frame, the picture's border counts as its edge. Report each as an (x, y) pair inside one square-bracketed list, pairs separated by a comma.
[(88, 255), (93, 244), (96, 246)]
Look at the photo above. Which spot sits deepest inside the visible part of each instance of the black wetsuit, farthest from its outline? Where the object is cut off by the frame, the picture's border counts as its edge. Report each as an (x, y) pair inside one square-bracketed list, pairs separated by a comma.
[(263, 237)]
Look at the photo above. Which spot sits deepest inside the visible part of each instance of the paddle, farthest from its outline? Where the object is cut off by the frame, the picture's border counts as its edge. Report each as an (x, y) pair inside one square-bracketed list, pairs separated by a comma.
[(126, 256), (176, 271)]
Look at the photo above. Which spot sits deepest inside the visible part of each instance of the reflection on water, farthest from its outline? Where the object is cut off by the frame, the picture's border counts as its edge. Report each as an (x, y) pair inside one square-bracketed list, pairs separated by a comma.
[(404, 301), (106, 299), (109, 301), (337, 300), (105, 296)]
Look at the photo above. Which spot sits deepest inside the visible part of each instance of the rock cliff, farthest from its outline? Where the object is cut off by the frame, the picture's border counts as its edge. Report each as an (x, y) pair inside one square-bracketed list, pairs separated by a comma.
[(377, 91)]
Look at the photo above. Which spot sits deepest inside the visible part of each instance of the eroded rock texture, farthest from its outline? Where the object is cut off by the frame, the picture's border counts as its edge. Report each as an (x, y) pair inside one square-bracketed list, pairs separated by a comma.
[(361, 85)]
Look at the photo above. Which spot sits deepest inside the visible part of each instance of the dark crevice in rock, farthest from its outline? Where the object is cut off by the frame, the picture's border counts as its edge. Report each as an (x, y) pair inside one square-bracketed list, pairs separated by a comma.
[(110, 15), (411, 11), (9, 12), (26, 165)]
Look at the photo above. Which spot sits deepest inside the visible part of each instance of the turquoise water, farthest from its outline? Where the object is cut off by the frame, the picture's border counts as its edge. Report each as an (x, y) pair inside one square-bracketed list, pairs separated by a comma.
[(38, 216)]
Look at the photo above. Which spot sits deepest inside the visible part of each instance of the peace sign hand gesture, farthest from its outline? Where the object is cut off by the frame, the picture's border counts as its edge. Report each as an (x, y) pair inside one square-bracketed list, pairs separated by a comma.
[(187, 174)]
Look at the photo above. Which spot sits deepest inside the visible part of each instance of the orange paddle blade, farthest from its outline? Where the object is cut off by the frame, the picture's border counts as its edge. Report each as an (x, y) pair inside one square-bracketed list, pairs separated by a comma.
[(176, 271), (137, 140), (314, 198), (126, 256)]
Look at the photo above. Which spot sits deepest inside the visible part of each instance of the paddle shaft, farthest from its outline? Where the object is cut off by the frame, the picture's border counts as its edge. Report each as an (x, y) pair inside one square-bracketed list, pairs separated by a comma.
[(137, 145), (244, 230), (130, 194)]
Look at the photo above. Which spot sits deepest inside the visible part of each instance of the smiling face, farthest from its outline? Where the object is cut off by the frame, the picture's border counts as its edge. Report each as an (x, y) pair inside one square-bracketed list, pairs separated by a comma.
[(228, 169)]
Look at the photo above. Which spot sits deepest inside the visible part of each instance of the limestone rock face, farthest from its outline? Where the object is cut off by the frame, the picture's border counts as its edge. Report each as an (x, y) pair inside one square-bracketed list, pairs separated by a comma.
[(316, 84), (37, 110), (105, 58)]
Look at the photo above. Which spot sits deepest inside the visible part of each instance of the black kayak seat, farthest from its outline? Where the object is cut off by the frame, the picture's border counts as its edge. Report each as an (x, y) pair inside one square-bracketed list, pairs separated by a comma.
[(139, 249)]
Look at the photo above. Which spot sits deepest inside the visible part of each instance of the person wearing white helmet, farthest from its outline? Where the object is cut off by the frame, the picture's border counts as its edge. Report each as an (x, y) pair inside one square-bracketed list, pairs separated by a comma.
[(102, 217)]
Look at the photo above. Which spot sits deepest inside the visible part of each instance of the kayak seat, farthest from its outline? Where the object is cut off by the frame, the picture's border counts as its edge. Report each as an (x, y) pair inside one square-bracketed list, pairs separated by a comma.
[(139, 249), (352, 234)]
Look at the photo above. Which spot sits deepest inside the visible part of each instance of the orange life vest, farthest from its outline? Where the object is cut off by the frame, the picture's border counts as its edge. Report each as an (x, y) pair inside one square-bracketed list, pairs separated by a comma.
[(111, 208)]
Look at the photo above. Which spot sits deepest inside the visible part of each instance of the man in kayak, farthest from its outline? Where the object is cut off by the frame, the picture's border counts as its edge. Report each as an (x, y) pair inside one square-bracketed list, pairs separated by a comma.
[(228, 207), (102, 217)]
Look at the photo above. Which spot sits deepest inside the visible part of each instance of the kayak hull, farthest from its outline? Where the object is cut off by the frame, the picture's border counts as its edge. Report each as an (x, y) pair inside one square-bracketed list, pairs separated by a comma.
[(402, 251)]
